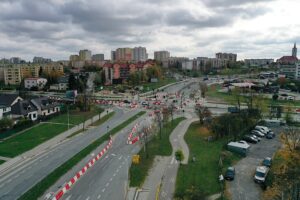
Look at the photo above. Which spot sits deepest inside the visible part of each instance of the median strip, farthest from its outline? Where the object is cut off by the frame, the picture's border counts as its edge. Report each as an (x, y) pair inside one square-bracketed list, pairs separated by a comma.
[(40, 188)]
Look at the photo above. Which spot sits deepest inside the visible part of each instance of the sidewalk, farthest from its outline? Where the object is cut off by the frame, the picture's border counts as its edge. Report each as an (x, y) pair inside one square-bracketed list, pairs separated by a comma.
[(161, 178), (26, 156)]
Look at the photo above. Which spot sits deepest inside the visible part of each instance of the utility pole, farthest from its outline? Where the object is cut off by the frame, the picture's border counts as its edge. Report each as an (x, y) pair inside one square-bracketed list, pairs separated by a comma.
[(68, 117)]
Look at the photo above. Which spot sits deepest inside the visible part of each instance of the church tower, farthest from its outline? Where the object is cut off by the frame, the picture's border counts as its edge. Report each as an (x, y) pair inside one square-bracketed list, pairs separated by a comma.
[(294, 52)]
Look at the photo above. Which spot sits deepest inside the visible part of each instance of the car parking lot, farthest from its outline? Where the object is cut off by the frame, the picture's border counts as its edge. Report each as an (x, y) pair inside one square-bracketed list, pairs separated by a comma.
[(243, 187)]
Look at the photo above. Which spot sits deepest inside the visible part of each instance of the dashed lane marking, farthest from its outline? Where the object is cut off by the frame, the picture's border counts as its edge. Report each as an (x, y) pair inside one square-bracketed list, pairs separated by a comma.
[(69, 197), (99, 196), (110, 179), (103, 190), (107, 184), (114, 174)]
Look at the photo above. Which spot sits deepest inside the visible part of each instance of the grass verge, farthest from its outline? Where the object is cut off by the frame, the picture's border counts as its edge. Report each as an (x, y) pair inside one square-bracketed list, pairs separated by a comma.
[(96, 123), (2, 161), (39, 189), (156, 147), (40, 133), (202, 175), (151, 86)]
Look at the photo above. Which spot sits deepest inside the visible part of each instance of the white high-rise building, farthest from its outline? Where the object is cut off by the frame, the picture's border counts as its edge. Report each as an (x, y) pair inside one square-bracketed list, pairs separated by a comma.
[(140, 54)]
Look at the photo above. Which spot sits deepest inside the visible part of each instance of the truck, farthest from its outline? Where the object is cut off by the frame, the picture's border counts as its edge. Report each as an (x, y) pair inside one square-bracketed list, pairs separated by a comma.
[(238, 148)]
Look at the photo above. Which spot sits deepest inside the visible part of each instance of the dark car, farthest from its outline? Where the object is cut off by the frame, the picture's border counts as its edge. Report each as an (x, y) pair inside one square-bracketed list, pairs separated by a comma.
[(126, 101), (267, 162), (250, 139), (270, 135), (229, 174)]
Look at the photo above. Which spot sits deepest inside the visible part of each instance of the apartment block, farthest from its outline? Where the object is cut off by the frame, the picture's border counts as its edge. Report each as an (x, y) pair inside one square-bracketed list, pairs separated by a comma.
[(12, 75), (58, 68), (227, 56), (29, 71), (98, 57), (85, 55), (161, 55), (140, 54), (124, 54)]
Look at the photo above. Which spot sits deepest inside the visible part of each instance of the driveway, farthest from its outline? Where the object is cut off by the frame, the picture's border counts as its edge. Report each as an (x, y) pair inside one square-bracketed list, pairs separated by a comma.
[(243, 187)]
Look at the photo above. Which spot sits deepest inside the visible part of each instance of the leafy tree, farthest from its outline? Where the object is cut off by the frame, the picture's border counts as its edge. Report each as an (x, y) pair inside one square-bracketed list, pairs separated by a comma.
[(203, 88), (72, 82), (5, 123), (292, 138), (179, 155), (98, 79), (203, 113)]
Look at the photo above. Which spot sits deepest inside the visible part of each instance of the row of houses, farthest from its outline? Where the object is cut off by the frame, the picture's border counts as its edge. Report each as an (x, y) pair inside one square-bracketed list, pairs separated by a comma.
[(14, 107)]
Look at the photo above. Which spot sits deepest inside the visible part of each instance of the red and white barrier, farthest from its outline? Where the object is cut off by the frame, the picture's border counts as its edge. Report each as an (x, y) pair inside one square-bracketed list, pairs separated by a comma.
[(133, 130), (73, 180)]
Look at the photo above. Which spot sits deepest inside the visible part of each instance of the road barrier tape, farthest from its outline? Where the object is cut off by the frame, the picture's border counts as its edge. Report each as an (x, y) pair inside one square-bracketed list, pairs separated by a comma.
[(133, 130), (77, 176)]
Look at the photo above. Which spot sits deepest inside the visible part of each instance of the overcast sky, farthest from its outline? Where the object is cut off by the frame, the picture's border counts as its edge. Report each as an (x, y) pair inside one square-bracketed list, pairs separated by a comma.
[(191, 28)]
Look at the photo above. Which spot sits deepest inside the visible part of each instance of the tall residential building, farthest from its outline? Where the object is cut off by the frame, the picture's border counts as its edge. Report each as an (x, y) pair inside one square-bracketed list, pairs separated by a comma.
[(85, 55), (30, 71), (140, 54), (41, 60), (12, 75), (124, 54), (294, 51), (227, 56), (15, 60), (113, 55), (74, 58), (98, 57), (161, 55), (54, 67)]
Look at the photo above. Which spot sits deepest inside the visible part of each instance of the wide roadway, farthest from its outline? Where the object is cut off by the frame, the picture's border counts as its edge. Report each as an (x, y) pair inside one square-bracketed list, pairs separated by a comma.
[(17, 181)]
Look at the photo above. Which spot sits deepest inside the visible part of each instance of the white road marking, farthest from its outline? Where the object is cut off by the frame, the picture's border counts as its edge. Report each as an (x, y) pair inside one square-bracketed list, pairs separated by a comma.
[(120, 157), (107, 184), (99, 196), (110, 179), (172, 161), (103, 190), (88, 198), (117, 170), (123, 163), (114, 174), (113, 154)]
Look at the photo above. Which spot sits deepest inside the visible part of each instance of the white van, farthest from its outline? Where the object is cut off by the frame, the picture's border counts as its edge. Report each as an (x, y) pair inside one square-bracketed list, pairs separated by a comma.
[(261, 174)]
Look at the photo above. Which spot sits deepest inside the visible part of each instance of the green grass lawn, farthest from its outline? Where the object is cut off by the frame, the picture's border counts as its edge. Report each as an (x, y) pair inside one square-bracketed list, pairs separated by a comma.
[(39, 189), (156, 147), (150, 86), (40, 133), (213, 92), (2, 161), (203, 173)]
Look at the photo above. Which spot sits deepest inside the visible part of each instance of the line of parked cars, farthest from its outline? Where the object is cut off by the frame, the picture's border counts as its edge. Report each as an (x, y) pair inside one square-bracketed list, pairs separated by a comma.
[(255, 136), (258, 133)]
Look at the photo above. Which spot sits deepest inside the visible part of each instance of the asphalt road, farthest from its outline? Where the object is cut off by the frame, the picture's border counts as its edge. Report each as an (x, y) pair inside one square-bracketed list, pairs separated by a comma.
[(17, 181), (108, 178), (244, 187)]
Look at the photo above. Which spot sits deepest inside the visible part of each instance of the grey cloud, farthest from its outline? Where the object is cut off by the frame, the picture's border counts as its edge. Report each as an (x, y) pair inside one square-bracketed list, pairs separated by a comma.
[(229, 3)]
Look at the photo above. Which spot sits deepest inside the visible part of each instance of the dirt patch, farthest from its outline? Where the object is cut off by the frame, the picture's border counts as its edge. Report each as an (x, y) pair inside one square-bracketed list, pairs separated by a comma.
[(204, 132)]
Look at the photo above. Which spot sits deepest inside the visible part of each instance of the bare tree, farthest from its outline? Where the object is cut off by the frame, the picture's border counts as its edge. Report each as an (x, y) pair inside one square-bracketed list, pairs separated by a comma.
[(292, 138), (203, 113), (203, 88)]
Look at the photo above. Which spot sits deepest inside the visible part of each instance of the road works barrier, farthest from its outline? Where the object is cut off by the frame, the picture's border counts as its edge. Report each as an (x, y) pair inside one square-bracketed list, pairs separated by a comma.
[(79, 174)]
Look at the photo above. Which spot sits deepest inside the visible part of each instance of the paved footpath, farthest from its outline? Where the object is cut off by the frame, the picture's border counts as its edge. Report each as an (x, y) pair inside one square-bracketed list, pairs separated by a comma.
[(162, 177)]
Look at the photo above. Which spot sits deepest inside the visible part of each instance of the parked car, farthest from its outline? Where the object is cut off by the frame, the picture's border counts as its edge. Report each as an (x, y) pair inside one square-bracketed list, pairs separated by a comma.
[(144, 103), (263, 129), (250, 139), (267, 162), (261, 174), (256, 137), (270, 135), (258, 133), (230, 173), (126, 101)]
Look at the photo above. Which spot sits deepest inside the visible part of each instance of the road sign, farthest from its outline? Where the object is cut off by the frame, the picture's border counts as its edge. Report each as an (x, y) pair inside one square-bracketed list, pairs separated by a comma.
[(136, 159)]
